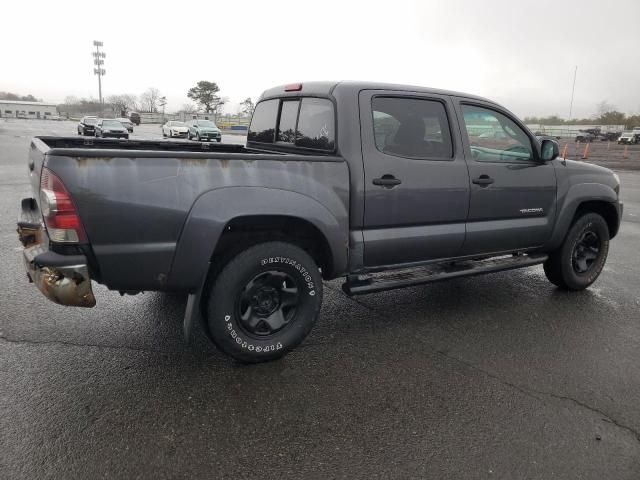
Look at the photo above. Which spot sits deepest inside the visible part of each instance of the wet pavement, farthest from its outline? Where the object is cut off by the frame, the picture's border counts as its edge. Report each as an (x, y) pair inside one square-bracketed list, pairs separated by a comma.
[(500, 376)]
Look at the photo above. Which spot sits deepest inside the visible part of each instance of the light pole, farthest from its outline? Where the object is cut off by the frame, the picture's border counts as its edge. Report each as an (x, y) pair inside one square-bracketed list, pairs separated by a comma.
[(162, 103), (98, 61)]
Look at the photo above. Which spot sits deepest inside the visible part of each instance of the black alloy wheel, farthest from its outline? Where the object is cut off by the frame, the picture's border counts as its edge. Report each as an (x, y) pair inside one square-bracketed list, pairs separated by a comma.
[(585, 251), (267, 303)]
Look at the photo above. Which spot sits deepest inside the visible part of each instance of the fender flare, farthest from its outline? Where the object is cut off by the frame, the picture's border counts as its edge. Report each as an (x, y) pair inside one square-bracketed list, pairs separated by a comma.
[(576, 195), (213, 210)]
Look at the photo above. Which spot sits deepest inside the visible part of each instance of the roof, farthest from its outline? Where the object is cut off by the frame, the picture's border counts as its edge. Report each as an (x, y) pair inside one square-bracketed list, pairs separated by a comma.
[(326, 88), (35, 104)]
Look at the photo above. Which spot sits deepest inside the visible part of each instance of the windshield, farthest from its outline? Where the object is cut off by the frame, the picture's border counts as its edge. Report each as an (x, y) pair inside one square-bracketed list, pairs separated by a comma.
[(206, 123), (90, 121), (111, 123)]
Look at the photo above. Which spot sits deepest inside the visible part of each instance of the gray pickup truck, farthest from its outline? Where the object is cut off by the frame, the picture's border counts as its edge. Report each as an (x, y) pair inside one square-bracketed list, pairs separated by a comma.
[(385, 185)]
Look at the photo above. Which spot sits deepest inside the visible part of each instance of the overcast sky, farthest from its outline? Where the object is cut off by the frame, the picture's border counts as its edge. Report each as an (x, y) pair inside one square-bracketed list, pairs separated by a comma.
[(519, 53)]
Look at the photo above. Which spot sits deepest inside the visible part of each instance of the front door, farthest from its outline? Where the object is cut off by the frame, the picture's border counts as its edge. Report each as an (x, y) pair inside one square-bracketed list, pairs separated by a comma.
[(513, 192), (416, 180)]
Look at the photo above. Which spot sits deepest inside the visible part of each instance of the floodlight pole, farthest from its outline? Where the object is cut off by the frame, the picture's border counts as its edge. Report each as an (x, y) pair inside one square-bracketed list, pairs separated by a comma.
[(98, 61), (573, 89)]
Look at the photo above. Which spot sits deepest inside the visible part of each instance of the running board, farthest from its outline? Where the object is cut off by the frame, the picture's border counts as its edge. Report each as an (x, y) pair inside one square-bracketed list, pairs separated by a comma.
[(362, 284)]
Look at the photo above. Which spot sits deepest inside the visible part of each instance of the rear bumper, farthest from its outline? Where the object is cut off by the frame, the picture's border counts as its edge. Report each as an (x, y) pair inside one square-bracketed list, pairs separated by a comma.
[(63, 279)]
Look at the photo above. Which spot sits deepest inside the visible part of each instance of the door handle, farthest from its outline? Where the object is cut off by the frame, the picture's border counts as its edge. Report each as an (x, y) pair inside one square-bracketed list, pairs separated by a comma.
[(483, 180), (387, 181)]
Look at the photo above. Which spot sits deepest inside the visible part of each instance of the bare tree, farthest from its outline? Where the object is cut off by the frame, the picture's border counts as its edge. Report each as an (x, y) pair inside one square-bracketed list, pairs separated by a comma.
[(118, 104), (189, 108), (149, 100), (247, 107), (604, 107)]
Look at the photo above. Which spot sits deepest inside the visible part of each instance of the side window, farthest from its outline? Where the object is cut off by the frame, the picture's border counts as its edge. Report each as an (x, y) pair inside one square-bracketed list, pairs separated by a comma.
[(412, 128), (494, 137), (263, 122), (316, 126), (288, 118)]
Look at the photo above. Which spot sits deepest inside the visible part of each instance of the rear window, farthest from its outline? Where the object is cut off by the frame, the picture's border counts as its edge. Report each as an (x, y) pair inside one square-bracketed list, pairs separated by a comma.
[(307, 123)]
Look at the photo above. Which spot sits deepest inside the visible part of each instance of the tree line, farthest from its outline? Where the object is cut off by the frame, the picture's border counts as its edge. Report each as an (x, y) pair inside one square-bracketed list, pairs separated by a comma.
[(22, 98), (607, 114), (204, 94)]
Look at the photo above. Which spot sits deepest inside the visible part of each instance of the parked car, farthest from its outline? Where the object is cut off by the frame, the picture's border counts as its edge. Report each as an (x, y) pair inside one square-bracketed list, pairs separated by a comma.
[(126, 123), (636, 133), (134, 117), (21, 115), (175, 129), (628, 138), (335, 180), (585, 137), (203, 131), (110, 128), (87, 126)]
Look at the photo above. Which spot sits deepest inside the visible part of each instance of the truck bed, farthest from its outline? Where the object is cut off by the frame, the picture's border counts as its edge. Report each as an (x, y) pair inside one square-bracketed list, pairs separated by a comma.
[(136, 199)]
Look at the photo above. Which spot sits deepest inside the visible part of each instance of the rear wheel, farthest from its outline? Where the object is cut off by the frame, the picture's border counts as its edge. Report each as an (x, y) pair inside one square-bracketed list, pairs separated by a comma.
[(264, 302), (581, 258)]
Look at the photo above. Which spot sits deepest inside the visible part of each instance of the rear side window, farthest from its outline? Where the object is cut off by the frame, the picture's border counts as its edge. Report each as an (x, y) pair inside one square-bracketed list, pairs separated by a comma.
[(263, 123), (306, 123), (316, 125), (412, 128)]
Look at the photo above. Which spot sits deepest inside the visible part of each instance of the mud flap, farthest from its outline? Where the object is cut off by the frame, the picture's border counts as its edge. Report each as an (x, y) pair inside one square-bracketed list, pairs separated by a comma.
[(193, 312)]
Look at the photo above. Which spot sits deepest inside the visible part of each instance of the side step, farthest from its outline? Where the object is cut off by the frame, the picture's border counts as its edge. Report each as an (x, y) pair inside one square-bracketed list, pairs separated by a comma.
[(362, 284)]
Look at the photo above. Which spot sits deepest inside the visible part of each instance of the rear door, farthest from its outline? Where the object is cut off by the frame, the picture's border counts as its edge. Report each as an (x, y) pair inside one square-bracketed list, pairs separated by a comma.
[(513, 193), (416, 180)]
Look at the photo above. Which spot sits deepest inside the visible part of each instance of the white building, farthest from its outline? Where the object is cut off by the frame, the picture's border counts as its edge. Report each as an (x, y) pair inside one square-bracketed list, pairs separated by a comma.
[(20, 109)]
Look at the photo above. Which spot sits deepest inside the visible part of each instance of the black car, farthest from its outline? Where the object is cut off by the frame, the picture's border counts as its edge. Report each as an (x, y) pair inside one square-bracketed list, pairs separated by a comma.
[(87, 126), (134, 117), (111, 128)]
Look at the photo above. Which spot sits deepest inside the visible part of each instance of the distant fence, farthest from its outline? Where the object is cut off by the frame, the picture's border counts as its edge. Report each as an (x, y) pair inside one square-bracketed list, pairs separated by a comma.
[(571, 130)]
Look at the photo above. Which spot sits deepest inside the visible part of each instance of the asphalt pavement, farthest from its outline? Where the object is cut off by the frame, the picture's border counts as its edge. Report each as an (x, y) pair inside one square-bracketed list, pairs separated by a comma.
[(499, 376)]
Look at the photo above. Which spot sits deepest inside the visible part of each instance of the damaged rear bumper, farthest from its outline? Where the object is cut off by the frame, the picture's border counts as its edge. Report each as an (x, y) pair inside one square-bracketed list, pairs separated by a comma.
[(63, 279)]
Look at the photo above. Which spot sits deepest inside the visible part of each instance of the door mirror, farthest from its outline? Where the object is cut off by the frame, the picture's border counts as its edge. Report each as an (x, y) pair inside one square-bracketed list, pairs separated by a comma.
[(549, 150)]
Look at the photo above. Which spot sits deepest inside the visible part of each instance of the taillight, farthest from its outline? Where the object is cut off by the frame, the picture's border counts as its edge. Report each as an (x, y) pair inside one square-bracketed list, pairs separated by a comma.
[(293, 87), (59, 212)]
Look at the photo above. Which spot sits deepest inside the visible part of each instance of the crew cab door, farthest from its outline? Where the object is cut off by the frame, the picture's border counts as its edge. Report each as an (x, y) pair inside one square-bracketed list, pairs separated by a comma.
[(513, 193), (416, 180)]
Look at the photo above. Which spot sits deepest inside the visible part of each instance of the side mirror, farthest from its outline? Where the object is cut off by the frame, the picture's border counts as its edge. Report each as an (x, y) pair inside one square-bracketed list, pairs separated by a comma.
[(549, 150)]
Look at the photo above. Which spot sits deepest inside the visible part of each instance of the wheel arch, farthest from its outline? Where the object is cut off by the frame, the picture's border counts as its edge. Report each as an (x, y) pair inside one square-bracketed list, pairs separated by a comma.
[(222, 219), (580, 198)]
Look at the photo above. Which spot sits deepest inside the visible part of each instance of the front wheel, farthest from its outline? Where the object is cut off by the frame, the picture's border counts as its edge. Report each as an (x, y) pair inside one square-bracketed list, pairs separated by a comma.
[(581, 258), (264, 302)]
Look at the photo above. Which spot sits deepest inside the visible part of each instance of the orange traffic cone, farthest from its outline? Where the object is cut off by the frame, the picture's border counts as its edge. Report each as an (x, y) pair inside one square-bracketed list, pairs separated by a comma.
[(625, 154), (564, 150), (585, 154)]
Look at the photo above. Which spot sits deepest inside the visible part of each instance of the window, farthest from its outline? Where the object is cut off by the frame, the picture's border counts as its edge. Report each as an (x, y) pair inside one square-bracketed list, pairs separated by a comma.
[(32, 113), (316, 125), (47, 113), (314, 118), (263, 123), (288, 118), (412, 128), (494, 137), (8, 112)]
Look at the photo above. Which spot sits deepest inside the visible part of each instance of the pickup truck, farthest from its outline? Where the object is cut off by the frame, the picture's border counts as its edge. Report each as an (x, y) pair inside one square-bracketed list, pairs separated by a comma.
[(385, 185)]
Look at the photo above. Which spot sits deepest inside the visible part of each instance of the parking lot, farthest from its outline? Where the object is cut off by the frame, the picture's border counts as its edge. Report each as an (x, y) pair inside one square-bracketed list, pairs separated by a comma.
[(500, 376)]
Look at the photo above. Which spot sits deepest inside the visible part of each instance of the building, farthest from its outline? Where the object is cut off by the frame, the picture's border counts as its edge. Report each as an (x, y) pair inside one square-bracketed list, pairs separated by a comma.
[(21, 109)]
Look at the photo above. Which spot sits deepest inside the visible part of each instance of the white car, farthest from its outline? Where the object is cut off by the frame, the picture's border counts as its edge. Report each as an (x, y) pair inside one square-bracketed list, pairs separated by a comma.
[(175, 129)]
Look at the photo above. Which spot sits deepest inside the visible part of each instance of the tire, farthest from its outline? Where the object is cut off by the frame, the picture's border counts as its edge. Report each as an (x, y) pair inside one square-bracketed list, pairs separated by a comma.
[(246, 284), (198, 137), (164, 135), (581, 258)]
